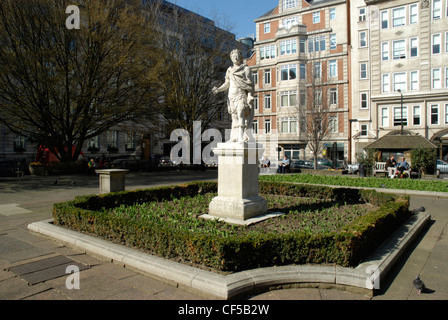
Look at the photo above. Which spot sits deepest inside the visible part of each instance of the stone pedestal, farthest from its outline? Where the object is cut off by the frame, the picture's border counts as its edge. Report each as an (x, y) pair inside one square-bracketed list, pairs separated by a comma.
[(238, 197), (112, 180)]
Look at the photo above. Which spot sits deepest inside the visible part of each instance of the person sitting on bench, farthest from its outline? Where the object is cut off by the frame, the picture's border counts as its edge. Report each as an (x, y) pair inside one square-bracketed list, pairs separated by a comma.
[(403, 165), (282, 167)]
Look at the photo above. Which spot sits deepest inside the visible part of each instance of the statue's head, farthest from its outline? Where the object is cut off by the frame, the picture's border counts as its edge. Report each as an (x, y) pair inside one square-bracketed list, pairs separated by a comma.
[(236, 56)]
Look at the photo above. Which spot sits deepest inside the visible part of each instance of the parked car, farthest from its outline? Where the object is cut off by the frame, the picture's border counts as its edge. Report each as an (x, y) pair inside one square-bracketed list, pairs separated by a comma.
[(324, 162), (132, 163), (442, 166), (165, 162), (302, 164), (306, 164)]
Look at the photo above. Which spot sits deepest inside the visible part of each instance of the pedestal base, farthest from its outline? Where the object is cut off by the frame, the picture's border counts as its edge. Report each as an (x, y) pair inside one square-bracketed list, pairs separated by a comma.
[(238, 182), (237, 208), (112, 180)]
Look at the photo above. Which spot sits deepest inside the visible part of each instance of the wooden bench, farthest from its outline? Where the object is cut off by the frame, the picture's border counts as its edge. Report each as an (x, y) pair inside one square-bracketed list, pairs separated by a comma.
[(380, 167)]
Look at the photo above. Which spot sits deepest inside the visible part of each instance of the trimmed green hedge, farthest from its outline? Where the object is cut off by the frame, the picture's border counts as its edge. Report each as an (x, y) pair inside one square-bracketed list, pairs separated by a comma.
[(348, 247)]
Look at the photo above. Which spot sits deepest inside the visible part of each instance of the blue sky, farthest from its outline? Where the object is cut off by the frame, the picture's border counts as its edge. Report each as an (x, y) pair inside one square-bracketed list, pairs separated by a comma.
[(238, 13)]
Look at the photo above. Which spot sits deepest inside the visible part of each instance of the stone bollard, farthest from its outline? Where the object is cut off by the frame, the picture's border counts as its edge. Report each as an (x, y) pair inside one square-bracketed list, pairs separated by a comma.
[(112, 180)]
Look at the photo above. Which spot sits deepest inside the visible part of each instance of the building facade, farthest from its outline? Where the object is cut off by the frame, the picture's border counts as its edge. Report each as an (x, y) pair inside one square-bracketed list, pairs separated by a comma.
[(406, 83), (146, 139), (384, 66), (302, 58)]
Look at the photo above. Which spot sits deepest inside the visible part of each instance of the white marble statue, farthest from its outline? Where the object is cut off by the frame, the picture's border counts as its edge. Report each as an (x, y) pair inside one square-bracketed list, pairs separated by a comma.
[(240, 100)]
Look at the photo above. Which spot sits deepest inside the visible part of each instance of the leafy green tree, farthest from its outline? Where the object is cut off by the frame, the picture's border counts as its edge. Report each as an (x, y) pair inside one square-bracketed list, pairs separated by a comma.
[(423, 160), (367, 159)]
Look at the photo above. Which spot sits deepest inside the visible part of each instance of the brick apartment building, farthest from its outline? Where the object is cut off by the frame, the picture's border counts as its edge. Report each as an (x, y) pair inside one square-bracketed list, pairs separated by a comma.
[(299, 43), (363, 52)]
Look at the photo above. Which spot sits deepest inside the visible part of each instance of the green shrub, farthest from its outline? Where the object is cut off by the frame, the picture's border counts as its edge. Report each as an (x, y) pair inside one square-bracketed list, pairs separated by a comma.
[(423, 159), (188, 239)]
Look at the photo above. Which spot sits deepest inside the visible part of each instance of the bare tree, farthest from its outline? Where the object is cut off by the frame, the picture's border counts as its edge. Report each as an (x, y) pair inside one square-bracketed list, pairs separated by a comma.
[(316, 107), (61, 87), (194, 55)]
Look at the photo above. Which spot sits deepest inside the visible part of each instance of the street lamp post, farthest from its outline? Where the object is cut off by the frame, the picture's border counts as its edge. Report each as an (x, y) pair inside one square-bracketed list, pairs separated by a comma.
[(399, 90)]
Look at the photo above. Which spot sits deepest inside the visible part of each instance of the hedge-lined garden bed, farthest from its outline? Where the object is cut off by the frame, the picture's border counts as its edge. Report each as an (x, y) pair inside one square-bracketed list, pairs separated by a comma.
[(321, 225), (405, 184)]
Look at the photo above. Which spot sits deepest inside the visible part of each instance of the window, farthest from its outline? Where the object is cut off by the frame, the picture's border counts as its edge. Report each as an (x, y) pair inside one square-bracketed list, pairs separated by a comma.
[(446, 39), (436, 78), (316, 44), (289, 4), (386, 83), (363, 70), (267, 27), (334, 124), (19, 143), (363, 39), (399, 49), (112, 139), (416, 115), (413, 44), (435, 114), (332, 13), (397, 116), (289, 72), (436, 9), (333, 68), (317, 70), (398, 17), (302, 97), (288, 98), (362, 14), (333, 92), (436, 43), (130, 142), (267, 52), (302, 45), (288, 47), (413, 13), (267, 101), (318, 97), (288, 125), (384, 122), (363, 96), (385, 51), (302, 71), (363, 130), (255, 102), (316, 17), (446, 113), (333, 42), (267, 76), (446, 77), (322, 43), (289, 22), (267, 126), (400, 81), (255, 77), (414, 80), (385, 19), (255, 126)]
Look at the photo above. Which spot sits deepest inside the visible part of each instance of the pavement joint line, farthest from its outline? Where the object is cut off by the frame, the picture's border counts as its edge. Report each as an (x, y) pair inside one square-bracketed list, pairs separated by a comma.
[(244, 282)]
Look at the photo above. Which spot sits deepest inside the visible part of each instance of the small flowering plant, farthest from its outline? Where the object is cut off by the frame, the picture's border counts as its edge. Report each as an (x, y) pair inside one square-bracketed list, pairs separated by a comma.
[(36, 164)]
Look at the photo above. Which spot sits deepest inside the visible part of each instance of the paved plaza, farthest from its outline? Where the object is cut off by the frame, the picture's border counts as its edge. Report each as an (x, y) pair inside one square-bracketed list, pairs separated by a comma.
[(30, 199)]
